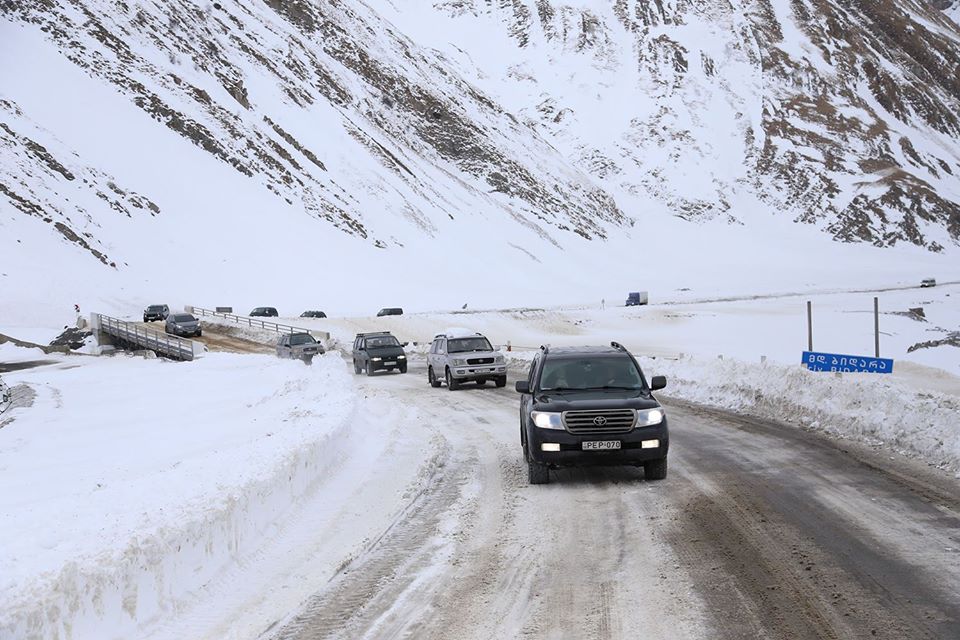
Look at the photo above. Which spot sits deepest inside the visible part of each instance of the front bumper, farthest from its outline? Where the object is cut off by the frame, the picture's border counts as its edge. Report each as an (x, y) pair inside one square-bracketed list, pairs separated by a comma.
[(186, 333), (388, 364), (571, 452), (479, 372)]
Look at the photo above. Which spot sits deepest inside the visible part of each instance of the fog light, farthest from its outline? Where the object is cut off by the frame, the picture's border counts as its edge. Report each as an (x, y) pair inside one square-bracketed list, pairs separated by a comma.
[(650, 444), (551, 446), (459, 372)]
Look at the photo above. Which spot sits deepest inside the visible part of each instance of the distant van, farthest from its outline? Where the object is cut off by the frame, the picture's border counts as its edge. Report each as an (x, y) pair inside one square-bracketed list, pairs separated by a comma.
[(637, 298)]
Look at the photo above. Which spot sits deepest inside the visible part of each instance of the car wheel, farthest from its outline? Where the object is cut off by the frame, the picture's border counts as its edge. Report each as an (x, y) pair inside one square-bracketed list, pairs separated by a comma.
[(452, 384), (356, 368), (199, 333), (403, 368), (481, 382), (655, 469), (537, 473), (432, 378), (369, 368), (501, 382)]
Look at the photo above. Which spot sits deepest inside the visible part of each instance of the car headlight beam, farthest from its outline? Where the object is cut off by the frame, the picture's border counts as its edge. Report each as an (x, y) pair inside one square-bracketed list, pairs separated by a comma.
[(547, 419)]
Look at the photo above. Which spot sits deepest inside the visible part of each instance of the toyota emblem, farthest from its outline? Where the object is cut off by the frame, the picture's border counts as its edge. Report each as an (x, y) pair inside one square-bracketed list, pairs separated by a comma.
[(599, 421)]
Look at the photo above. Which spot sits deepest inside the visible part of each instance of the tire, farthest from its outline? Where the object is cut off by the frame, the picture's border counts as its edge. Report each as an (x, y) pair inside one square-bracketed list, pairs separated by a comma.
[(432, 378), (501, 382), (655, 469), (452, 384), (481, 382), (403, 367), (369, 368), (356, 368), (199, 333), (537, 473)]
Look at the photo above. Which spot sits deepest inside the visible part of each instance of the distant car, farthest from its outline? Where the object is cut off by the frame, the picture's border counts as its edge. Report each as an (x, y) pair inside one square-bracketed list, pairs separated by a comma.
[(390, 311), (637, 298), (313, 314), (301, 346), (156, 312), (928, 282), (378, 351), (183, 324), (464, 357), (265, 312)]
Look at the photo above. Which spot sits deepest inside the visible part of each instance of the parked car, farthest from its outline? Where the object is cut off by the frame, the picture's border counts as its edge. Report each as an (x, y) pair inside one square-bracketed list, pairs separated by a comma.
[(313, 314), (390, 311), (265, 312), (300, 345), (928, 282), (591, 406), (183, 324), (156, 312), (378, 351), (464, 357), (637, 298)]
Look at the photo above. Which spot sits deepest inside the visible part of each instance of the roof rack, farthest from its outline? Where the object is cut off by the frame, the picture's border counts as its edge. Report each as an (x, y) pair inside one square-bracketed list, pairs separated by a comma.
[(618, 346), (374, 333)]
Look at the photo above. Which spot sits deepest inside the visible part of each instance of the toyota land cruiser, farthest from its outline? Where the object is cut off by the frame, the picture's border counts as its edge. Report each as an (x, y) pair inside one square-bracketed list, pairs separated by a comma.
[(584, 406), (458, 357)]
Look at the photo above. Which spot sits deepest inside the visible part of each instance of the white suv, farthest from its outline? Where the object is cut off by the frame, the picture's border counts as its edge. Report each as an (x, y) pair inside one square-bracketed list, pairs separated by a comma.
[(464, 357)]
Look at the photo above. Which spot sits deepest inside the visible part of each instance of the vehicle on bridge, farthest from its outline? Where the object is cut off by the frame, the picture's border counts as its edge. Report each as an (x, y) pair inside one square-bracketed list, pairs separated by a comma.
[(264, 312), (390, 311), (379, 351), (183, 324), (313, 314), (300, 345), (458, 357), (583, 406), (156, 312)]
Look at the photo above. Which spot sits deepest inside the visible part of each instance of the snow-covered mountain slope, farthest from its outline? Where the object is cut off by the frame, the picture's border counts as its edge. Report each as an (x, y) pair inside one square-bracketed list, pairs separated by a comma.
[(300, 150), (843, 115)]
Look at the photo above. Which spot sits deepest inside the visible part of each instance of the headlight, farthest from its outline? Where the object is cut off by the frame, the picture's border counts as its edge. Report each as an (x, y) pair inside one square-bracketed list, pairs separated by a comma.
[(459, 362), (547, 419), (649, 417), (401, 357), (376, 359), (498, 359)]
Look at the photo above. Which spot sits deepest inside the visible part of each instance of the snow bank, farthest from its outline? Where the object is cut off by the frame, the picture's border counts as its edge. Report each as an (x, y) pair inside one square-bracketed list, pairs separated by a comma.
[(869, 408), (10, 352), (130, 483)]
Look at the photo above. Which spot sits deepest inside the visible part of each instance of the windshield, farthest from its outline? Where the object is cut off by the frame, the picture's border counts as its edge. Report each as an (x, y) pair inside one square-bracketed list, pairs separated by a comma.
[(184, 317), (590, 373), (301, 338), (460, 345), (382, 341), (155, 307)]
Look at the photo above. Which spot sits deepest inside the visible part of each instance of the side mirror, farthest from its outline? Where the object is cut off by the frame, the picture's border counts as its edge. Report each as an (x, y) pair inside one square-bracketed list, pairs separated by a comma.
[(523, 386), (658, 382)]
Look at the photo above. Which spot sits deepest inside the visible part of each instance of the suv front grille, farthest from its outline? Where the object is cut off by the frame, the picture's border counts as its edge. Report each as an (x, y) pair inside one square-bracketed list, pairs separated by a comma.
[(479, 360), (600, 421)]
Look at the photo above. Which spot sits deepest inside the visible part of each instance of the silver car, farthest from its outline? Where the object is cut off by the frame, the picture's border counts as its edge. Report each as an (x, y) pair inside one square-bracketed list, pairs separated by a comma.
[(459, 358), (183, 324), (301, 346)]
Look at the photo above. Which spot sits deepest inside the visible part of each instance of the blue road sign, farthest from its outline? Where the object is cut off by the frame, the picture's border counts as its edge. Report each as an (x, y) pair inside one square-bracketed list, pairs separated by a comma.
[(817, 361)]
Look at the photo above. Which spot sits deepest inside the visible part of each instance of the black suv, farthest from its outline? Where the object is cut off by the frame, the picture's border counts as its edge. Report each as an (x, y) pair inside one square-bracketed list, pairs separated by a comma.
[(378, 351), (264, 312), (390, 311), (586, 406)]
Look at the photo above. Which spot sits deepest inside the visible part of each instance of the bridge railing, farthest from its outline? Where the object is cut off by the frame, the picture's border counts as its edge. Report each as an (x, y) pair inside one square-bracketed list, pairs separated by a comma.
[(134, 334), (256, 323)]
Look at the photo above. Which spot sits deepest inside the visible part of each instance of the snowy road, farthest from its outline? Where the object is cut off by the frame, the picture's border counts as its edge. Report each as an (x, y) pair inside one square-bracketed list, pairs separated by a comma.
[(759, 531)]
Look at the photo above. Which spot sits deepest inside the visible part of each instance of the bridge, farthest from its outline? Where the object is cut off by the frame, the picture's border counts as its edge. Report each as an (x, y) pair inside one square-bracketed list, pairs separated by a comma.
[(131, 335)]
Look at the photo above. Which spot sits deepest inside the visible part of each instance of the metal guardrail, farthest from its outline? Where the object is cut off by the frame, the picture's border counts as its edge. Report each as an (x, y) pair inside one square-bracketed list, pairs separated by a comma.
[(247, 321), (162, 343)]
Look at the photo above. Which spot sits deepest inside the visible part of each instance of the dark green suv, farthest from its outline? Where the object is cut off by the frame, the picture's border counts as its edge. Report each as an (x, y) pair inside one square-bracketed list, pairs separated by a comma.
[(583, 406)]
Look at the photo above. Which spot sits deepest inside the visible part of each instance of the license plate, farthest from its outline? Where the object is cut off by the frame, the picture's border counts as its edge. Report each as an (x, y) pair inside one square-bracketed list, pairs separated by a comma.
[(600, 444), (390, 362)]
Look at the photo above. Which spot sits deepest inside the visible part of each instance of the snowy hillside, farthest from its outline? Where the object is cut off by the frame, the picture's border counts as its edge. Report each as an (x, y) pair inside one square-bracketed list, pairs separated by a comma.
[(190, 151)]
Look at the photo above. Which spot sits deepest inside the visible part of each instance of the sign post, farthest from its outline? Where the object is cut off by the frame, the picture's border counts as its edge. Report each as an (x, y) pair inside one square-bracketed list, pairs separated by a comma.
[(809, 325), (876, 326)]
